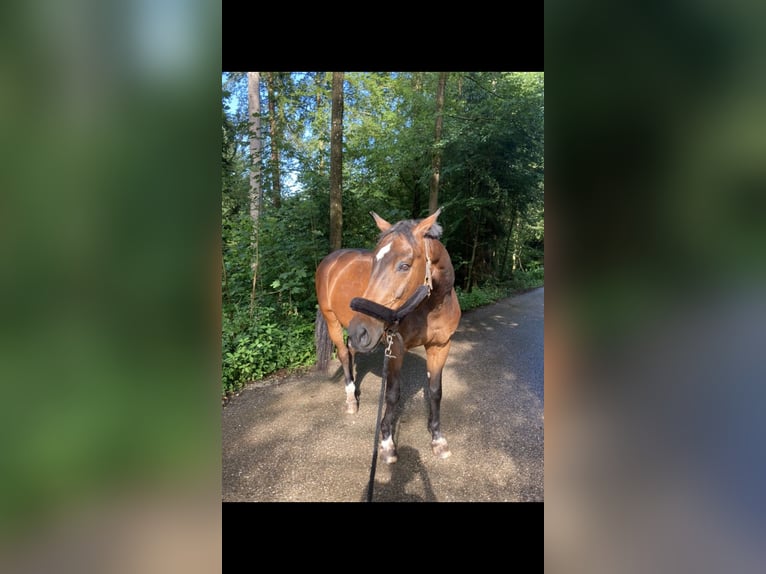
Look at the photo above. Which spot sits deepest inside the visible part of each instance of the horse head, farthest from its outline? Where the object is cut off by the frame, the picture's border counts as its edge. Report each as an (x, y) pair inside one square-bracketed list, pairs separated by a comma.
[(400, 265)]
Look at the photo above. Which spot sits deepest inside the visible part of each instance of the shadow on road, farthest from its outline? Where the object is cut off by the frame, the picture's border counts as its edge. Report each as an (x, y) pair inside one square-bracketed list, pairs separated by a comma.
[(408, 468), (369, 370)]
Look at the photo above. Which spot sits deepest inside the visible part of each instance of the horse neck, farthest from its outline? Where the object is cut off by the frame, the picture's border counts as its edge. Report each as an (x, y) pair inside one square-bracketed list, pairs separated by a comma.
[(442, 272)]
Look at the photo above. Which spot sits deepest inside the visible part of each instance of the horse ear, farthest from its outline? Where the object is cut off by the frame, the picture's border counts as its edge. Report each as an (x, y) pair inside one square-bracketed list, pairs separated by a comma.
[(382, 224), (422, 228)]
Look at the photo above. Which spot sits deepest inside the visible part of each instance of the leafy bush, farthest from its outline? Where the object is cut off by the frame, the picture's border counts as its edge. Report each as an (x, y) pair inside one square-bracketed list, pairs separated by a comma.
[(279, 332), (523, 280), (480, 296), (489, 293), (272, 340)]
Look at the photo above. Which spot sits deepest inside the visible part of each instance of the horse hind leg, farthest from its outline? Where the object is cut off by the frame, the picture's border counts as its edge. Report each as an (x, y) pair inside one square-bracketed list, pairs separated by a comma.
[(436, 356), (346, 360)]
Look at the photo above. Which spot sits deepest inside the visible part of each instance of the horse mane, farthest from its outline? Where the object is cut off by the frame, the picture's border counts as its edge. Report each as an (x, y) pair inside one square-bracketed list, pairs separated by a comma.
[(405, 227), (435, 232)]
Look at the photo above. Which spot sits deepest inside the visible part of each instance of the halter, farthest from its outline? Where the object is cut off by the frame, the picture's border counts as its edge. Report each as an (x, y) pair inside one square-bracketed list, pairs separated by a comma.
[(392, 317), (427, 281)]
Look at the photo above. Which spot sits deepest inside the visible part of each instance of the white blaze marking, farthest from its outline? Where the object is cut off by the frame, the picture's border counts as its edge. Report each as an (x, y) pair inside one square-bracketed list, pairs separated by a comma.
[(382, 252), (428, 374)]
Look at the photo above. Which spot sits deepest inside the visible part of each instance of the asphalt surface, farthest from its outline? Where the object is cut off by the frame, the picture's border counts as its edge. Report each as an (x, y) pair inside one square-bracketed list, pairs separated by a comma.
[(291, 441)]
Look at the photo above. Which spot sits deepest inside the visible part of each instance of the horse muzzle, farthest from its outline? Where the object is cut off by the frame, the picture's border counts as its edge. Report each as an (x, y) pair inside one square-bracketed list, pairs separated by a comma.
[(364, 334)]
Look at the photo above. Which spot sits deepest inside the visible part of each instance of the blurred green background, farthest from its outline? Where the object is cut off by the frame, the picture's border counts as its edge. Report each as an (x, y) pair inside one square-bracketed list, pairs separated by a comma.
[(655, 291), (658, 135), (109, 247)]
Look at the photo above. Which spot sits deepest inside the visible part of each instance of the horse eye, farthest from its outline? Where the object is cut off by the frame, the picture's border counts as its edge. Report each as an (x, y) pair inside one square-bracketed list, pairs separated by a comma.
[(404, 267)]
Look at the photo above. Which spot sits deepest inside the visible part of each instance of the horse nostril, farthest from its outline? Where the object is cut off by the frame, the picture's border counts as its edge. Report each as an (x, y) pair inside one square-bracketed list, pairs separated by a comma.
[(358, 336), (364, 336)]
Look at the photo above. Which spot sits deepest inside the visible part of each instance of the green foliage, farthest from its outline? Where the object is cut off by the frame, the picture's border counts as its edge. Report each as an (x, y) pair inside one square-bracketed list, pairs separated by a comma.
[(237, 231), (523, 280), (480, 296), (271, 340), (292, 243), (490, 293), (493, 176), (279, 333)]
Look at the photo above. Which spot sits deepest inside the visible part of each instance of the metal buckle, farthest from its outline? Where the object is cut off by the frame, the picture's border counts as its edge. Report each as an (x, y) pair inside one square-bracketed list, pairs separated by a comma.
[(390, 341)]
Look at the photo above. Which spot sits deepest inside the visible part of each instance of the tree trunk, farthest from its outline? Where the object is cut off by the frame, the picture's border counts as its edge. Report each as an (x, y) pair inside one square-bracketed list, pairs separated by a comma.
[(254, 114), (336, 162), (256, 193), (508, 244), (276, 189), (433, 198), (417, 81), (472, 263), (517, 247)]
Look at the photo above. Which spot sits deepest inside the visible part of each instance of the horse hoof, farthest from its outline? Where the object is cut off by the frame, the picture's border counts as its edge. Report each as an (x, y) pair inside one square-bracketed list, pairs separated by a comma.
[(352, 408), (387, 451), (440, 448), (388, 456)]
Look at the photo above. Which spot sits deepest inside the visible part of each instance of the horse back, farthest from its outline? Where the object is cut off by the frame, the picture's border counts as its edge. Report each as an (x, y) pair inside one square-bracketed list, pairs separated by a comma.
[(340, 277)]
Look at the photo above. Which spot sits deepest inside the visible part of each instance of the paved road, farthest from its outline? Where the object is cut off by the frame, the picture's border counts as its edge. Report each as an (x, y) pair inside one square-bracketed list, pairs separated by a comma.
[(292, 441)]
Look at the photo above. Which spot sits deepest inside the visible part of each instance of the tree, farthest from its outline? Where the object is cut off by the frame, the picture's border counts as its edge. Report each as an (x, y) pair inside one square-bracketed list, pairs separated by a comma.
[(254, 115), (256, 193), (433, 197), (336, 163), (493, 169)]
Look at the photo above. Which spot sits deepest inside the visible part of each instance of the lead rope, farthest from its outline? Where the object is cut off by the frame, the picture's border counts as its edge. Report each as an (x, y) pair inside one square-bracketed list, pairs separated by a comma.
[(390, 340), (377, 434)]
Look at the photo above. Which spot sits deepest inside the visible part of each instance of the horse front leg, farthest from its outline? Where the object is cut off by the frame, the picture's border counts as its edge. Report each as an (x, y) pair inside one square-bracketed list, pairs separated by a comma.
[(352, 391), (346, 356), (387, 449), (436, 357)]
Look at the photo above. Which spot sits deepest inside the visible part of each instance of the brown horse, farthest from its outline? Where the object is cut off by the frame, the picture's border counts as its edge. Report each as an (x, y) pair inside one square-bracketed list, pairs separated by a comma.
[(407, 256)]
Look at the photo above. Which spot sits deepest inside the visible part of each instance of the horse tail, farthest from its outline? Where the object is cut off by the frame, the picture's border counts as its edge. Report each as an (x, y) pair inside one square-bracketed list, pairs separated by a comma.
[(322, 342)]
